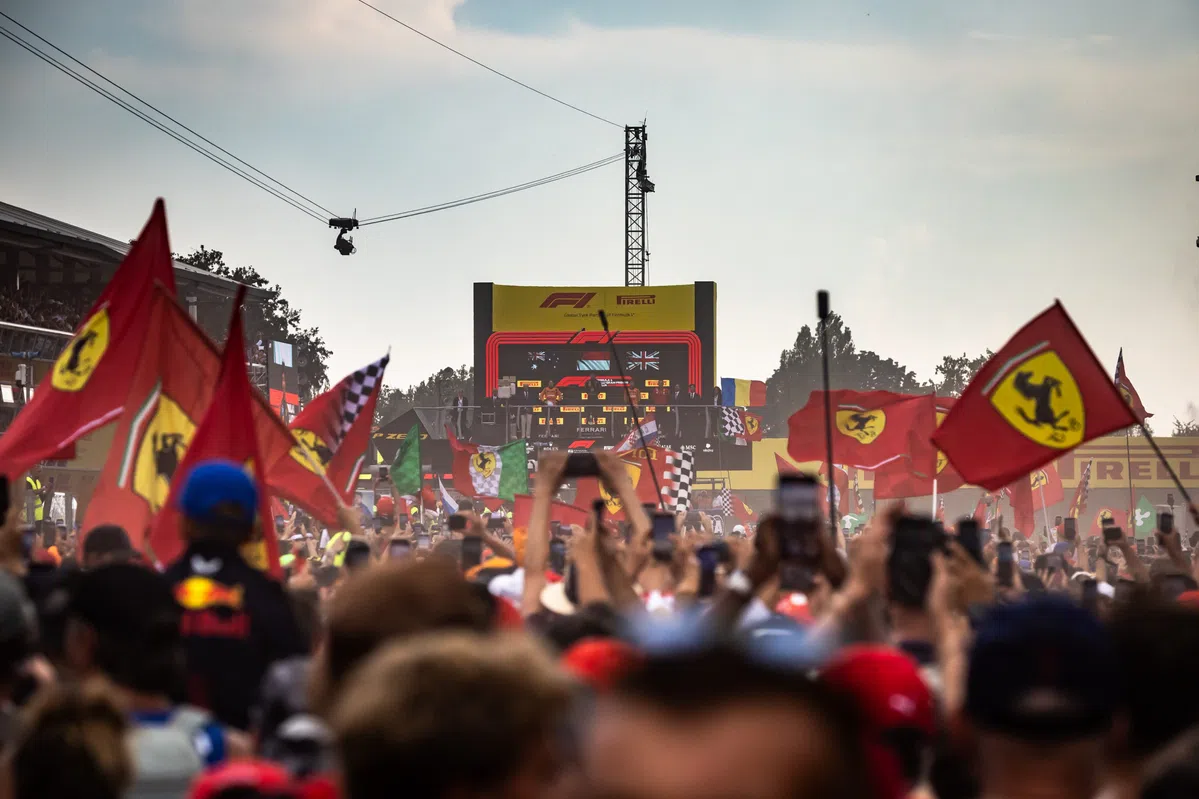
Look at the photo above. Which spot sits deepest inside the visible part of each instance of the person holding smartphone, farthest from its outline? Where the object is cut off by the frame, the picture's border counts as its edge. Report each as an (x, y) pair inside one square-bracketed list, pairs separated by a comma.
[(552, 473)]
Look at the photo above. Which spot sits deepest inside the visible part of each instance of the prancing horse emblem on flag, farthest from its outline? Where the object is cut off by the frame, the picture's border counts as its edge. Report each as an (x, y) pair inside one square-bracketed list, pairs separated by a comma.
[(312, 453), (78, 361), (613, 502), (942, 459), (151, 461), (1039, 479), (751, 425), (483, 463), (1038, 397), (861, 424)]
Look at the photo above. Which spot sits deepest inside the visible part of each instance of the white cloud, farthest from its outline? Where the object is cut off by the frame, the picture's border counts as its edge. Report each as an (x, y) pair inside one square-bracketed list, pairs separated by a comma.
[(990, 103)]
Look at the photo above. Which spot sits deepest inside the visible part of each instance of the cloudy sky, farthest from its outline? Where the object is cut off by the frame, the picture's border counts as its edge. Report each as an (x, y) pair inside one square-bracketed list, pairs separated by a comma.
[(946, 168)]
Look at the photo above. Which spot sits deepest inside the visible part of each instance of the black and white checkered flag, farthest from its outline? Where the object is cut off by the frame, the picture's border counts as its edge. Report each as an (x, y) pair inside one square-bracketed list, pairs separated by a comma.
[(725, 501), (356, 391), (732, 424), (677, 478)]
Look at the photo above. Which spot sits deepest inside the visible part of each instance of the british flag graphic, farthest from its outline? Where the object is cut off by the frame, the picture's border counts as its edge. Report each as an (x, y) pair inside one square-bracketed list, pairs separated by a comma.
[(643, 360)]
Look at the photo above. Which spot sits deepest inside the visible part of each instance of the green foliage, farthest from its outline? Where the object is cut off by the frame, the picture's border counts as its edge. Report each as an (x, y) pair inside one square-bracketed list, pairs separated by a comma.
[(436, 391), (955, 371), (274, 320), (799, 372)]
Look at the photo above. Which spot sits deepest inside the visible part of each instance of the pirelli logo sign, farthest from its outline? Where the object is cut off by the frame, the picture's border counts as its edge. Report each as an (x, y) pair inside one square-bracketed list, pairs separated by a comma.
[(636, 299), (568, 299)]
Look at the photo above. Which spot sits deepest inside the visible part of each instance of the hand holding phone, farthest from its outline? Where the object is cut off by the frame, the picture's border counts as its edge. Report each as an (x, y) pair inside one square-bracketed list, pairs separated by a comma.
[(970, 538), (1165, 526), (1004, 564), (662, 537), (1111, 533)]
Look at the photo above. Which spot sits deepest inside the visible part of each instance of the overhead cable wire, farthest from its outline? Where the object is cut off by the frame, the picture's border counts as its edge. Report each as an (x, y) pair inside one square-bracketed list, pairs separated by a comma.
[(570, 173), (69, 71), (145, 118), (476, 62), (301, 204)]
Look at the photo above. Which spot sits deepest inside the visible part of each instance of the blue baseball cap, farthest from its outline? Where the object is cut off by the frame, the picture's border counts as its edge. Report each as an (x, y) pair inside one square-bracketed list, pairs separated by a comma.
[(219, 491), (1042, 669)]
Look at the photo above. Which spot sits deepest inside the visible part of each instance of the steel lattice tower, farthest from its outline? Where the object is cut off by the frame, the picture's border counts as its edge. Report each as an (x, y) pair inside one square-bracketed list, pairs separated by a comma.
[(637, 186)]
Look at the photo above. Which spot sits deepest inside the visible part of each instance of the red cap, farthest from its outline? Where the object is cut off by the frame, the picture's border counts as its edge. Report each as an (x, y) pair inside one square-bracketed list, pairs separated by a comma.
[(267, 778), (385, 506), (887, 687), (795, 607), (599, 662)]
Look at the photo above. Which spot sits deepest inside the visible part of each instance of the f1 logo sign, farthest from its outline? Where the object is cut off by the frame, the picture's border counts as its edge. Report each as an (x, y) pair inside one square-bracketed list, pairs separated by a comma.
[(568, 299)]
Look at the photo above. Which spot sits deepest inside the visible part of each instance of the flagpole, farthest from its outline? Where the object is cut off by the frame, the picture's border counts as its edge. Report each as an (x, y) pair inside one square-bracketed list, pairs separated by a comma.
[(1170, 470), (1045, 510), (1128, 466), (822, 310), (934, 497)]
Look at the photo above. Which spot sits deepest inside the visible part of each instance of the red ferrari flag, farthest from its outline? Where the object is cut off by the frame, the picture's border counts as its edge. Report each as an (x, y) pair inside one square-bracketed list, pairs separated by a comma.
[(870, 429), (1047, 489), (336, 426), (1115, 518), (1130, 395), (898, 480), (170, 392), (88, 385), (1039, 397), (228, 431), (752, 422), (1019, 494), (650, 470)]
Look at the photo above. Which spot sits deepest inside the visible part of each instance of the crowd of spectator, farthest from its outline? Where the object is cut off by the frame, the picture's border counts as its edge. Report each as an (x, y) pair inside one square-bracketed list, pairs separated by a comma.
[(54, 306), (441, 657)]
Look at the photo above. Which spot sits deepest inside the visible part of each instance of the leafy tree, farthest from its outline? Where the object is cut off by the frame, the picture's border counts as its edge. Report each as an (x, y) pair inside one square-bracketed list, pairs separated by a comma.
[(799, 372), (436, 391), (1188, 427), (955, 371), (274, 320)]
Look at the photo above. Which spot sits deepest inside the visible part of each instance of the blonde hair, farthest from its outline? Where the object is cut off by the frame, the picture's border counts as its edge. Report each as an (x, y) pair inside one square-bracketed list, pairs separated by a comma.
[(72, 742)]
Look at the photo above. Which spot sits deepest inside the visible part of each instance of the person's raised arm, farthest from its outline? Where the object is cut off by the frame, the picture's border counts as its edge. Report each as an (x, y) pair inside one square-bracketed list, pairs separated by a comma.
[(550, 468)]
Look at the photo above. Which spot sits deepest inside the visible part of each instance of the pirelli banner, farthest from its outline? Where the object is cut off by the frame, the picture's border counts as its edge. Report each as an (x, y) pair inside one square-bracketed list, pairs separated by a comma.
[(552, 335)]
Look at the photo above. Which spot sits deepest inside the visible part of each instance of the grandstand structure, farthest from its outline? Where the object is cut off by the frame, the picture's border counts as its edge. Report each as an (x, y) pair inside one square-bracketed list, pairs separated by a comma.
[(50, 274)]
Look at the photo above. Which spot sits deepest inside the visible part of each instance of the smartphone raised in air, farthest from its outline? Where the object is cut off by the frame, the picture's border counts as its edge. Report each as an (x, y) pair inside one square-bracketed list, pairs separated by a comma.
[(399, 548), (970, 537), (1004, 564), (797, 507), (557, 556), (662, 537), (1069, 528), (581, 464)]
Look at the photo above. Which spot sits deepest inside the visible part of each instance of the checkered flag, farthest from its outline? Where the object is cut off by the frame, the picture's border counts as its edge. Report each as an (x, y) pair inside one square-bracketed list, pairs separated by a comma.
[(732, 424), (677, 475), (356, 392), (725, 501)]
